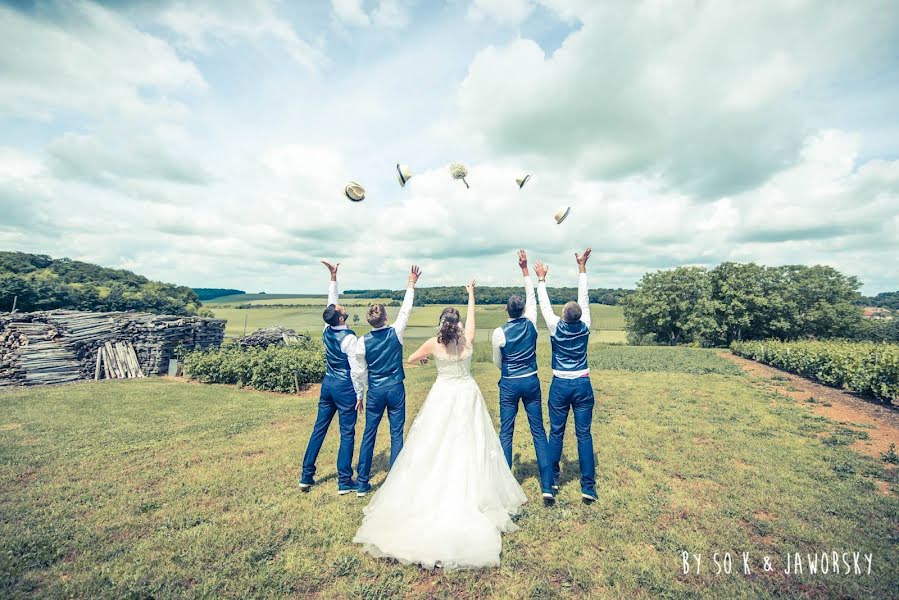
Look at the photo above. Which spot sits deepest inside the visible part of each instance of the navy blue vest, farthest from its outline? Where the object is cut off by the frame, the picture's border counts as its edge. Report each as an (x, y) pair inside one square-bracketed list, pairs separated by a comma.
[(338, 363), (520, 352), (384, 354), (570, 346)]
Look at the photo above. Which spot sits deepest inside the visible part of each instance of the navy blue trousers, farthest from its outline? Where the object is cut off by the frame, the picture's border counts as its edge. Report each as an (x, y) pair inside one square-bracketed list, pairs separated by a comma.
[(527, 391), (337, 396), (391, 398), (575, 395)]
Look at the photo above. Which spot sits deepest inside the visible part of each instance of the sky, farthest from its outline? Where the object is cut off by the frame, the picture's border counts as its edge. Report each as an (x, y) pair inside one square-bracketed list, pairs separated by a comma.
[(208, 143)]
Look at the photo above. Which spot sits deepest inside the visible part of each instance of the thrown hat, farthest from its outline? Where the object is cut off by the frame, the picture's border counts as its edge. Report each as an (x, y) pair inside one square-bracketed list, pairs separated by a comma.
[(522, 180), (354, 192), (403, 174), (561, 214)]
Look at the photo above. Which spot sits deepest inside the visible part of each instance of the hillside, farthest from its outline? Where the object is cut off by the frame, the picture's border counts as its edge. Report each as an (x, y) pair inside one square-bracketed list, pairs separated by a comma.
[(39, 282)]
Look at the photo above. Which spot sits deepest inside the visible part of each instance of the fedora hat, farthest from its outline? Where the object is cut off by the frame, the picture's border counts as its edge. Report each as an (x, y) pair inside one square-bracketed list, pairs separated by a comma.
[(561, 214), (354, 192), (403, 174), (522, 180)]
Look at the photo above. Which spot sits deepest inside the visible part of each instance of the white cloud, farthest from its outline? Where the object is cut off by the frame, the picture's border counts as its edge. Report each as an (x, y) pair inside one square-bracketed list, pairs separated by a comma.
[(96, 63), (655, 87), (350, 12), (200, 26), (676, 138), (133, 157)]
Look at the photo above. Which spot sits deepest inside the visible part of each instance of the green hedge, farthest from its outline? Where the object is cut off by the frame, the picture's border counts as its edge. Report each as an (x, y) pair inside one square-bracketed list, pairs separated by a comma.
[(271, 369), (868, 368)]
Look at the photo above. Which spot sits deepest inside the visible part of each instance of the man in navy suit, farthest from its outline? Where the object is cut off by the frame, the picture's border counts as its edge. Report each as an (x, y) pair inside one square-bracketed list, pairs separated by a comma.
[(571, 388), (340, 394), (515, 354), (379, 361)]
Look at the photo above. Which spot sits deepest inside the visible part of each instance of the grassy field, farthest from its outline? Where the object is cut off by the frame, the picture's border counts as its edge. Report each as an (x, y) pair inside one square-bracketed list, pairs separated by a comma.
[(305, 314), (162, 488)]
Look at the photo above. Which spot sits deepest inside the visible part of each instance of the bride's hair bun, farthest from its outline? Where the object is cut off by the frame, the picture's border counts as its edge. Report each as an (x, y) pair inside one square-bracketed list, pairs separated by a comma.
[(449, 330)]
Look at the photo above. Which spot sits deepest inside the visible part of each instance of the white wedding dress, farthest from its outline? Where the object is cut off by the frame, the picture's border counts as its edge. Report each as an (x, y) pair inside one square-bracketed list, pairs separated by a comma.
[(450, 493)]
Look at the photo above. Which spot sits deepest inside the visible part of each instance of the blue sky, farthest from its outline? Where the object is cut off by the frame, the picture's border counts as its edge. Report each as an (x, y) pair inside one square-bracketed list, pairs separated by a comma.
[(207, 143)]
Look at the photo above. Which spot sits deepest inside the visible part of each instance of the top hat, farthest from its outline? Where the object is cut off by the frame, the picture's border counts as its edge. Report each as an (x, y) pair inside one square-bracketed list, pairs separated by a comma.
[(403, 174), (354, 192)]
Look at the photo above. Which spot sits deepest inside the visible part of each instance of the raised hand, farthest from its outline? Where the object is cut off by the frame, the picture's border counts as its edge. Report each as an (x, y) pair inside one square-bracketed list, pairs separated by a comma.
[(523, 262), (541, 270), (582, 259), (470, 287), (332, 268), (414, 274)]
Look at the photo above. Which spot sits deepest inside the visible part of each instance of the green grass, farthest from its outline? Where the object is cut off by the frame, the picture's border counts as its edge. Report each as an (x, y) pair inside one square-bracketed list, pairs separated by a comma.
[(161, 488), (306, 315), (661, 359)]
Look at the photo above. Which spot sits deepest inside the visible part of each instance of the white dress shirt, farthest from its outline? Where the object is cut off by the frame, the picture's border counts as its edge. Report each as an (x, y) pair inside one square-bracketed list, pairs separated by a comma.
[(360, 372), (348, 344), (499, 336), (552, 321)]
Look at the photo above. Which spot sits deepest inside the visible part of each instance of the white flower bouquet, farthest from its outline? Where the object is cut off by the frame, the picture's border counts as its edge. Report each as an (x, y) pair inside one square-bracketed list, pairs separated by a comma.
[(459, 171)]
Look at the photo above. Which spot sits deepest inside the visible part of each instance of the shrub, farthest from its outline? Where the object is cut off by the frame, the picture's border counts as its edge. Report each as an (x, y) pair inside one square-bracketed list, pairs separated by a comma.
[(272, 369), (868, 368)]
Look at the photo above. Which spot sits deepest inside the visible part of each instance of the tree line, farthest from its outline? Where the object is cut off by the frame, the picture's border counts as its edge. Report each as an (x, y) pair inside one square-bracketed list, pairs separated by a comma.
[(39, 282), (883, 300), (746, 301), (490, 294)]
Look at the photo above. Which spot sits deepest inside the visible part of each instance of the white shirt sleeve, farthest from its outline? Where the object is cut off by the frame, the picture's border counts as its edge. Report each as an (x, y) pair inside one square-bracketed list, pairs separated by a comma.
[(402, 319), (332, 293), (583, 298), (358, 375), (552, 321), (332, 297), (530, 302), (499, 340)]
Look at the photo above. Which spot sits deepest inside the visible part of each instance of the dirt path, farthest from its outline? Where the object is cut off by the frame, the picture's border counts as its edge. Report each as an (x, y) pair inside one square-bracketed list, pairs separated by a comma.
[(880, 422)]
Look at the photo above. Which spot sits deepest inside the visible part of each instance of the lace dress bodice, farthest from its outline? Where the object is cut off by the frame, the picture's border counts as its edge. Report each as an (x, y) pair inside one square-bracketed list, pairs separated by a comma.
[(451, 365)]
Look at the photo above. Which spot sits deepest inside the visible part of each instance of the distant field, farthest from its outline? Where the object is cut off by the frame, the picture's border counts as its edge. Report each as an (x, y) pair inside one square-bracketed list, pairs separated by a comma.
[(244, 298), (305, 315)]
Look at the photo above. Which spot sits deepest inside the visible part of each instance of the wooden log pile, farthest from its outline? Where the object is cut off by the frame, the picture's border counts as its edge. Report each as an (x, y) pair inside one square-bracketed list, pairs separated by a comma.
[(263, 338), (62, 345), (118, 361)]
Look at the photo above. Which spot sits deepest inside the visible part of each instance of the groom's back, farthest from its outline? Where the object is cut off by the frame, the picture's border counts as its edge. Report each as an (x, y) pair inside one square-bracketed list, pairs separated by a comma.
[(569, 344), (384, 354), (519, 353)]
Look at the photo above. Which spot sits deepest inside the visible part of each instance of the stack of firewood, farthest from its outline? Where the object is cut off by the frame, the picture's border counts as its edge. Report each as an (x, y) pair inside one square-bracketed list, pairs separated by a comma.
[(61, 345), (30, 354), (263, 338)]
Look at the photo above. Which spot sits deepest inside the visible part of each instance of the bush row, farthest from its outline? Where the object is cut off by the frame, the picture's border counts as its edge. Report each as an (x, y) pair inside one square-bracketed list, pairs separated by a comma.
[(272, 369), (868, 368)]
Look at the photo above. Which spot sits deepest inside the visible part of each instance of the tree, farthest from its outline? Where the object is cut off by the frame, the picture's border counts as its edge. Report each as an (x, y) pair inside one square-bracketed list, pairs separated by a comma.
[(740, 300), (737, 301), (673, 306)]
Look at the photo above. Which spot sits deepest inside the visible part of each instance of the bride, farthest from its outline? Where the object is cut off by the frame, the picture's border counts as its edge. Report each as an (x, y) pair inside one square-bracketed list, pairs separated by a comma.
[(450, 493)]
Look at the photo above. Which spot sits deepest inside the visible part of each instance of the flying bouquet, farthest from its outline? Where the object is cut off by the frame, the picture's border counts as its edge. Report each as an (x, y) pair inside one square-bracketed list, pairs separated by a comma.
[(459, 171)]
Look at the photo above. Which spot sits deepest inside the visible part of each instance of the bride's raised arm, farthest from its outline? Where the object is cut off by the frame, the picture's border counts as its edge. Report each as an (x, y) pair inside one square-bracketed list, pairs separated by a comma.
[(469, 316), (425, 350)]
